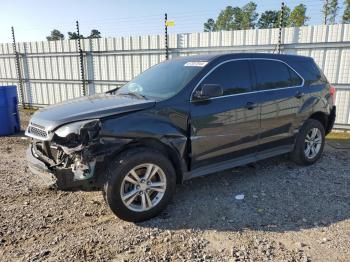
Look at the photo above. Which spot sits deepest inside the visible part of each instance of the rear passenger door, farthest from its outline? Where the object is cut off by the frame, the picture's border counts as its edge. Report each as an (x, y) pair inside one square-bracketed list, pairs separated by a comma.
[(280, 96), (225, 127)]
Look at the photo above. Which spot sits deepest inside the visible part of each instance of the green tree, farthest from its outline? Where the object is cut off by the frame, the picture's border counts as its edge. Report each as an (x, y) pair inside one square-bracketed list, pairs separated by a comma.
[(272, 18), (249, 15), (334, 8), (225, 19), (74, 35), (268, 19), (346, 14), (325, 11), (285, 18), (234, 18), (298, 16), (55, 35), (209, 26), (237, 21), (229, 19), (330, 11), (95, 34)]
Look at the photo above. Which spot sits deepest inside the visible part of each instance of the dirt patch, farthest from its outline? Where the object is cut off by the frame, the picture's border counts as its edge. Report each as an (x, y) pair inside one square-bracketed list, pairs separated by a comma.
[(288, 213)]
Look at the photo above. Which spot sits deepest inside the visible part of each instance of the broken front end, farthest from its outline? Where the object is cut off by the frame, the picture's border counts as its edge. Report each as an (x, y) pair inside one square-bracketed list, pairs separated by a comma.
[(67, 157)]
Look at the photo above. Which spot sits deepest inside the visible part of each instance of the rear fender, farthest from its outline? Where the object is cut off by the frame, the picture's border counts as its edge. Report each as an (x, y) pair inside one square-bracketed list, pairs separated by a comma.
[(318, 108), (311, 105)]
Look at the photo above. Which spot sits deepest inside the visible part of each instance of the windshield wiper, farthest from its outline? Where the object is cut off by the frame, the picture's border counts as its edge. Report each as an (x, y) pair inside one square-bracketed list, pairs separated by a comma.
[(133, 94)]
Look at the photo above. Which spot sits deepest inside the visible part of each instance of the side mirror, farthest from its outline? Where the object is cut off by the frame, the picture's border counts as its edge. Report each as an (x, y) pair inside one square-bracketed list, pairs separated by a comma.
[(208, 91)]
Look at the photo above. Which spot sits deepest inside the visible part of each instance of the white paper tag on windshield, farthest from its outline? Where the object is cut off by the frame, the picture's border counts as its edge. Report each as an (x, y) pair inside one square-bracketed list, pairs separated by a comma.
[(197, 64)]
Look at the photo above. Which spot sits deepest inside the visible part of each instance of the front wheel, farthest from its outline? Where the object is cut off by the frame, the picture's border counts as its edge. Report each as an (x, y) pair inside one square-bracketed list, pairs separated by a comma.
[(140, 183), (309, 143)]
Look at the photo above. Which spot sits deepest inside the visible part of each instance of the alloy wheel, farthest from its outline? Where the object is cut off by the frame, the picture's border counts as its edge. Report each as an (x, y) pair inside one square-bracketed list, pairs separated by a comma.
[(313, 143), (143, 187)]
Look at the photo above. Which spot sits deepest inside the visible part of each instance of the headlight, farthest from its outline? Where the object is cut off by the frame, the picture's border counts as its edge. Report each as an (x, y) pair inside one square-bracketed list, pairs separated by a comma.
[(81, 132)]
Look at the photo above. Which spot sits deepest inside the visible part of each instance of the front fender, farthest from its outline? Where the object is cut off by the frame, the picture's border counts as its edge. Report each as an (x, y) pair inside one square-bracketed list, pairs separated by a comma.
[(147, 127), (141, 125)]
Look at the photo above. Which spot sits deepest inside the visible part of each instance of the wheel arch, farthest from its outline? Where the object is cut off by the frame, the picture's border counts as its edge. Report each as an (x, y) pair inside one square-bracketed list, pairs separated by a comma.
[(163, 147), (321, 117)]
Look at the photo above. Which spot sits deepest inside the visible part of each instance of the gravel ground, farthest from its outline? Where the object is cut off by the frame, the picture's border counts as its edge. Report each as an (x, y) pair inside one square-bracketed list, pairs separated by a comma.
[(289, 213)]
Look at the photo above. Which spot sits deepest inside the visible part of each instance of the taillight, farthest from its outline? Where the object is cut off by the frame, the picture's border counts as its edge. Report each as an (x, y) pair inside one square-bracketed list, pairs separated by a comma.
[(332, 93)]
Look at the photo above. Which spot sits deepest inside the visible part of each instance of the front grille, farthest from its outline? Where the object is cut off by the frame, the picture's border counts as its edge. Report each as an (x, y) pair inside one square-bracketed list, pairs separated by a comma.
[(37, 132), (37, 126)]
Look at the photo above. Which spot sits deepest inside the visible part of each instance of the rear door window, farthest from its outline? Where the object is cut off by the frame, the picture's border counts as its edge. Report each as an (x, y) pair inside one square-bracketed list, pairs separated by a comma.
[(234, 77), (272, 74)]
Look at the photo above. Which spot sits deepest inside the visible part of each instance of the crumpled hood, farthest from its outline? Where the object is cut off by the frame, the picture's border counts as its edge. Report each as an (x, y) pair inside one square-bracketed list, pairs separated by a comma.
[(88, 107)]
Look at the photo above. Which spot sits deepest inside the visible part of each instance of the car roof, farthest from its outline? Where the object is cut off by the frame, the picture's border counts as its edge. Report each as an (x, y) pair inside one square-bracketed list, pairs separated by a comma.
[(225, 56)]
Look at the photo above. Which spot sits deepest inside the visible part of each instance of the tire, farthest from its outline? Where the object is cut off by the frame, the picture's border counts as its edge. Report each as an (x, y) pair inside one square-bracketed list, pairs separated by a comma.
[(152, 195), (300, 154)]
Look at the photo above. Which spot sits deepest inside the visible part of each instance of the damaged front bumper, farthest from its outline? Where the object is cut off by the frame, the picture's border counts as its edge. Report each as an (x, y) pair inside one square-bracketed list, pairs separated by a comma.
[(64, 157), (39, 168), (73, 155), (61, 178)]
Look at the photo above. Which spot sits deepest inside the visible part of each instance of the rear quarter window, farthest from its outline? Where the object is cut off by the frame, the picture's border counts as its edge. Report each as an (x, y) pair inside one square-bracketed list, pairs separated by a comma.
[(310, 72), (271, 74)]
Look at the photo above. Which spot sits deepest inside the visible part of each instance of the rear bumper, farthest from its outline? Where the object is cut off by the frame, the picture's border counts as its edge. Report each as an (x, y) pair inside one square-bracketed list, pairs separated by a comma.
[(331, 120), (58, 177)]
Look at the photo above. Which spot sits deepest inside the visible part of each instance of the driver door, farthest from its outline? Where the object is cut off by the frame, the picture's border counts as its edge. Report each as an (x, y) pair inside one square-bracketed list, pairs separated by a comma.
[(225, 127)]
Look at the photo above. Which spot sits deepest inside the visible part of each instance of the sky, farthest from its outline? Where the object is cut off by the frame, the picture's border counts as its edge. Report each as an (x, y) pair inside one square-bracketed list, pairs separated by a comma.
[(34, 19)]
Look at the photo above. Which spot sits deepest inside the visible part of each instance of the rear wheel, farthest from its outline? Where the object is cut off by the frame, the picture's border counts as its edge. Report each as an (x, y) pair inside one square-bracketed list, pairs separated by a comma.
[(310, 143), (139, 184)]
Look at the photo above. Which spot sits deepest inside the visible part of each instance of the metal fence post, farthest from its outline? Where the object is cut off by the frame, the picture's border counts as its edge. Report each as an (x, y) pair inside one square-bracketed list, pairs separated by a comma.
[(90, 69), (28, 87), (179, 43)]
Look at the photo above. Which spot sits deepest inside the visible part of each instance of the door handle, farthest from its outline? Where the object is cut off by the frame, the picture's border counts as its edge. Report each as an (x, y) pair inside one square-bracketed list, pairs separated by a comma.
[(299, 94), (251, 105)]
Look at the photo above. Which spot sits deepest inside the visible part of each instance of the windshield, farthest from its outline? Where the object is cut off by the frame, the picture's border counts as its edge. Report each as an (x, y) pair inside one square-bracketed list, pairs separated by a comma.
[(162, 81)]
